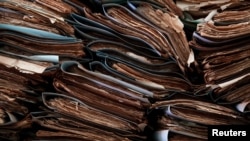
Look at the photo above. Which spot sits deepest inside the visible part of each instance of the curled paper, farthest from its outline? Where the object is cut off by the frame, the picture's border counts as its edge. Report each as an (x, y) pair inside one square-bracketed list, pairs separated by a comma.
[(21, 65)]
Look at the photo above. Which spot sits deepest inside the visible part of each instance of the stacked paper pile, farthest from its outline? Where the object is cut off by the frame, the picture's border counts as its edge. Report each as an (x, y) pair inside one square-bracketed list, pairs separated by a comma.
[(122, 70)]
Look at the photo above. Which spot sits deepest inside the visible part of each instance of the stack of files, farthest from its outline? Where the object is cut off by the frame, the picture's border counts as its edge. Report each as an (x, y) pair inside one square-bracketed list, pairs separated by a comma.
[(68, 118), (205, 9), (129, 24), (122, 110), (199, 11), (202, 8), (189, 119), (39, 14), (40, 45), (74, 71), (122, 34), (167, 5), (164, 77), (33, 40), (19, 95), (34, 35), (222, 46)]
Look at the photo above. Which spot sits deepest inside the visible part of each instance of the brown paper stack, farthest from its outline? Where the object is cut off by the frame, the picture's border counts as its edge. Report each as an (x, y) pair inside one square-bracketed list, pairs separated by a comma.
[(122, 69)]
